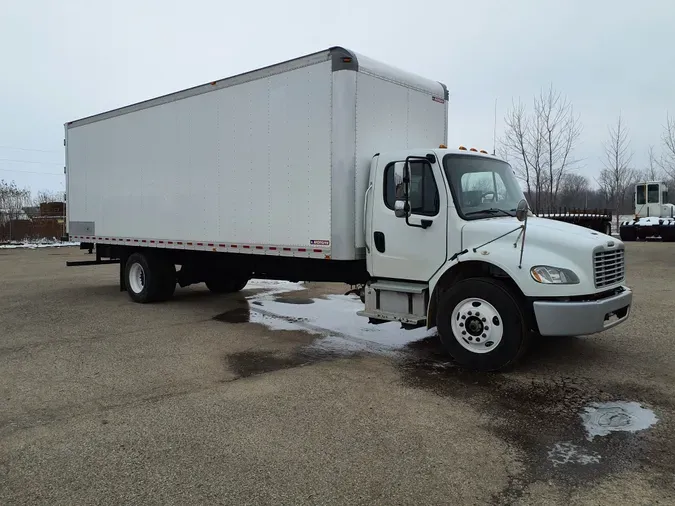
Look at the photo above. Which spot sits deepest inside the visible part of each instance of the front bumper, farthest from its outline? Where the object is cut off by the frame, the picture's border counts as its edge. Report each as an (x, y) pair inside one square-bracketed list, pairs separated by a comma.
[(582, 318)]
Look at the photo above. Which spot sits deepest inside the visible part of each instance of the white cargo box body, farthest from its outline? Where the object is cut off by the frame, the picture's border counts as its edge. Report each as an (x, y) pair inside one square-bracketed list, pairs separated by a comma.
[(274, 161)]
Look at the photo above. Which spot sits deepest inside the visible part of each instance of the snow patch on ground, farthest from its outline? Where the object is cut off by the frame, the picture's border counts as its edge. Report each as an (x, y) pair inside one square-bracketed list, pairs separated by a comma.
[(601, 418), (569, 453), (334, 317), (272, 287), (43, 243)]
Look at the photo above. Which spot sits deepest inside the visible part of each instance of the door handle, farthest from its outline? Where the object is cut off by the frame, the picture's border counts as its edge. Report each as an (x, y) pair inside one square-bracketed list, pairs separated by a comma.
[(379, 241)]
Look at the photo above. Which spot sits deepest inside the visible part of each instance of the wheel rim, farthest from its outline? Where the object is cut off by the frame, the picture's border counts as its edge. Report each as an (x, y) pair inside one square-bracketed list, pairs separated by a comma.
[(477, 325), (137, 278)]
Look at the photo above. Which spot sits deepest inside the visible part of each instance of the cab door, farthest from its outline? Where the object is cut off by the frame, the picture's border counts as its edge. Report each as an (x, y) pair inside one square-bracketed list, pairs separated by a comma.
[(411, 247)]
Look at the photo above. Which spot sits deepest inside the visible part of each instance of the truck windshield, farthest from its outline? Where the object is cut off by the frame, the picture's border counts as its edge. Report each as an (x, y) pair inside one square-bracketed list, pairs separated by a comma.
[(482, 187)]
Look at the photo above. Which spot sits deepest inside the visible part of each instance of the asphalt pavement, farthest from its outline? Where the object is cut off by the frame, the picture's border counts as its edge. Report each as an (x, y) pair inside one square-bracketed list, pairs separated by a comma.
[(281, 395)]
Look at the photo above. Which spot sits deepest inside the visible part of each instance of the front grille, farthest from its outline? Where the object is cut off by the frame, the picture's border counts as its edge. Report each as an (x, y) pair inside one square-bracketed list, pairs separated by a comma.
[(608, 267)]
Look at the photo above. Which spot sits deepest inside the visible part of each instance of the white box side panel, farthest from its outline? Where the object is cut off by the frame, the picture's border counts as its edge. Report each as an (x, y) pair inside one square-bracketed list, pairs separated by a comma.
[(391, 117), (249, 163), (343, 165)]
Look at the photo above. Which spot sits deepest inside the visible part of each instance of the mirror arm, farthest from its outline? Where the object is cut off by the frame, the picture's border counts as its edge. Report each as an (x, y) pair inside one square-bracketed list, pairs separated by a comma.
[(406, 181)]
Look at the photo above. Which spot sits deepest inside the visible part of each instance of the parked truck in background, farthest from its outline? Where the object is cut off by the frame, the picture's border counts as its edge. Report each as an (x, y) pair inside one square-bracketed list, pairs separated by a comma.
[(654, 216), (334, 167)]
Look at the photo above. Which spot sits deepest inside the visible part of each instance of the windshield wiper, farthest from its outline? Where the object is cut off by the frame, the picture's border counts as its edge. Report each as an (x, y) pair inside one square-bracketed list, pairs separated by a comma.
[(492, 210)]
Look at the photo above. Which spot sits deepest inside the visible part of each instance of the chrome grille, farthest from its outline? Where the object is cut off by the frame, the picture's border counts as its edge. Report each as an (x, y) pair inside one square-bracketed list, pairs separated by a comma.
[(608, 267)]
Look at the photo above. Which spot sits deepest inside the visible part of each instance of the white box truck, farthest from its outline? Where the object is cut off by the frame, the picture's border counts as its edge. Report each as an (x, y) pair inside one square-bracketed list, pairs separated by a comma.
[(333, 167)]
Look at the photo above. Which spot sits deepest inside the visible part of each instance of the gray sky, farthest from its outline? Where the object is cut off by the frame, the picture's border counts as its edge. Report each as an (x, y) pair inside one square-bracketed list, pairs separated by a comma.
[(69, 59)]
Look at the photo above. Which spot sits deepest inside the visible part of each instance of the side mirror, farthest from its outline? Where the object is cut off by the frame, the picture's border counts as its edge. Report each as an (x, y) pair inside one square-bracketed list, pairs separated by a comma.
[(401, 183), (522, 210)]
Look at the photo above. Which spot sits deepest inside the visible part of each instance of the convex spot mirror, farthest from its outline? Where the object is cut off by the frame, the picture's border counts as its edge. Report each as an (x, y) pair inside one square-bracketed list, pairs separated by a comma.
[(522, 210)]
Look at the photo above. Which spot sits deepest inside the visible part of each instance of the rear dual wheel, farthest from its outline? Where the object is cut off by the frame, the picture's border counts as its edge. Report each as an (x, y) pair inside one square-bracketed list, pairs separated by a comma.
[(225, 284), (149, 277), (483, 324)]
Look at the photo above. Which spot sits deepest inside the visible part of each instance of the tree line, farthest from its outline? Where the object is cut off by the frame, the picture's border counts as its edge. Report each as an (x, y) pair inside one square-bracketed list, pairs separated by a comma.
[(539, 144), (13, 200)]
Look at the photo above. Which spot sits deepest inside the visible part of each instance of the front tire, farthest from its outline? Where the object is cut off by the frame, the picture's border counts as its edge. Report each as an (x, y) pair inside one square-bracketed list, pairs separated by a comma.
[(483, 324)]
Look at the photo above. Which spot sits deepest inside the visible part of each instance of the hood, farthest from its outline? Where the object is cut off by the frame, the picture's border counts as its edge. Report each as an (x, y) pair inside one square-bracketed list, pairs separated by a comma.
[(547, 242), (543, 231)]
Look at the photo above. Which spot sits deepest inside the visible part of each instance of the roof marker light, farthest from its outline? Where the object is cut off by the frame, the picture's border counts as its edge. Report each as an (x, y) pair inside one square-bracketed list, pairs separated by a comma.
[(462, 148)]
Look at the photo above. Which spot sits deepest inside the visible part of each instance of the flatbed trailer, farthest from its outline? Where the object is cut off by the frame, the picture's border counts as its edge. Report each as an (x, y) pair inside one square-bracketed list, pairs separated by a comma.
[(599, 220)]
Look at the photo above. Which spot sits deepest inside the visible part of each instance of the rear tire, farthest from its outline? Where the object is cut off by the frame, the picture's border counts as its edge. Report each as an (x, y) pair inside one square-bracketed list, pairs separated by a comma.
[(224, 284), (667, 233), (483, 324), (628, 233), (149, 278)]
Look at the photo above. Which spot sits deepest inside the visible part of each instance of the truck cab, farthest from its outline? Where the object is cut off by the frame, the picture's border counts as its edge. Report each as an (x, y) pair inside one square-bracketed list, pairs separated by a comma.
[(654, 216), (451, 243), (651, 200)]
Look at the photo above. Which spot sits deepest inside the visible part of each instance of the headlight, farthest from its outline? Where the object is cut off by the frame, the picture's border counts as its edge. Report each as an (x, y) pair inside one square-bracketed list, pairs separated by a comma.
[(553, 275)]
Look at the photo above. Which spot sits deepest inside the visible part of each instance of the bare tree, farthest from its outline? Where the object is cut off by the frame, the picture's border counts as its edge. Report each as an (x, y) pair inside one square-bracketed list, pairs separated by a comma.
[(617, 176), (651, 172), (667, 162), (541, 144), (45, 196), (574, 190), (561, 130), (12, 200)]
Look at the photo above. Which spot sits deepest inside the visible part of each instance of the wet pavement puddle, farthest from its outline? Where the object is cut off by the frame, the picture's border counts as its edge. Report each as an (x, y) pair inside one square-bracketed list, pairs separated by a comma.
[(568, 429), (600, 419), (569, 453)]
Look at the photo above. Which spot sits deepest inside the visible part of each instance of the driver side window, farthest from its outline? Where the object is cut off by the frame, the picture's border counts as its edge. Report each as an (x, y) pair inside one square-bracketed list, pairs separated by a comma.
[(423, 192)]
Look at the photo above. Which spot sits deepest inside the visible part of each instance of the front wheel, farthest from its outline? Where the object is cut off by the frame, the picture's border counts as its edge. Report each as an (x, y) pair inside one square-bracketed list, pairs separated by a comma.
[(483, 324)]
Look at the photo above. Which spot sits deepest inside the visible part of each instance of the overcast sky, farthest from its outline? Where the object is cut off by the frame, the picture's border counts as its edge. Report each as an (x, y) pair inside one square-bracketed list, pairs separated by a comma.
[(68, 59)]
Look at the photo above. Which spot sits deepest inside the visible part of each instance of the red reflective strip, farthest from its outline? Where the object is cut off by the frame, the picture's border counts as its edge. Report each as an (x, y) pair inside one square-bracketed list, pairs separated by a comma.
[(211, 244), (287, 249), (222, 246), (189, 244), (318, 251), (179, 242), (247, 247), (170, 242), (161, 242), (128, 240), (135, 240), (143, 240), (152, 242), (302, 249), (234, 246), (272, 248), (258, 247), (200, 244)]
